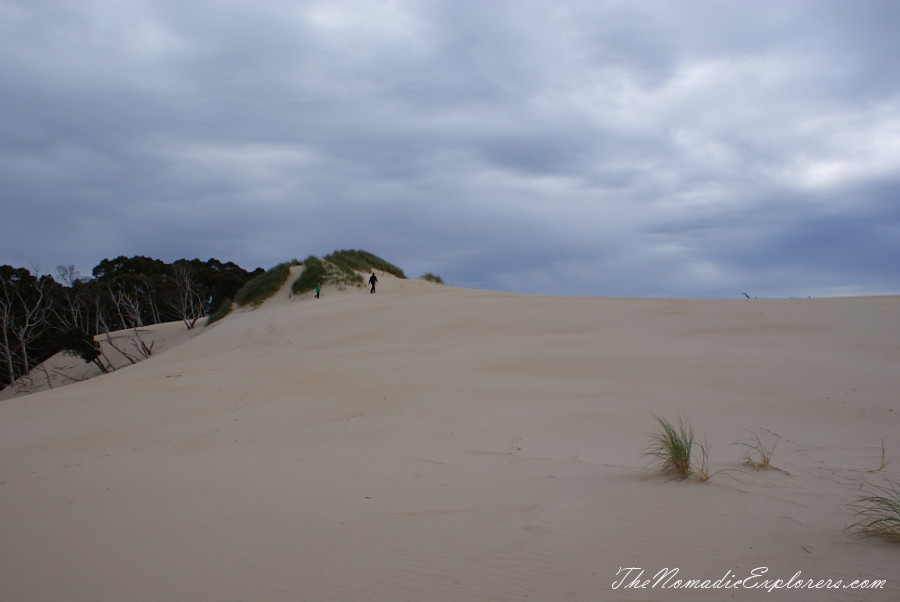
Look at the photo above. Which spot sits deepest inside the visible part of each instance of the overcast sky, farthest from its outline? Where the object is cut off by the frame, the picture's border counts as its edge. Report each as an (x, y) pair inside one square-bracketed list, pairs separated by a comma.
[(630, 148)]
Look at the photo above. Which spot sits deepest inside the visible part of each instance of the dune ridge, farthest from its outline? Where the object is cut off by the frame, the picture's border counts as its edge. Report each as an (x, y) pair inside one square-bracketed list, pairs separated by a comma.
[(440, 443)]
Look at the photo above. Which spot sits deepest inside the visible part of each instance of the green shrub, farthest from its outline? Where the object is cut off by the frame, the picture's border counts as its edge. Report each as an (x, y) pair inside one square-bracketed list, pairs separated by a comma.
[(313, 273), (342, 274), (220, 312), (362, 261), (260, 288), (75, 341), (432, 278)]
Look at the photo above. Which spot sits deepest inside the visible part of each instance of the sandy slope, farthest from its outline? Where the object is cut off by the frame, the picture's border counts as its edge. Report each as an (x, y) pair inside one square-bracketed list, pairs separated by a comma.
[(436, 443), (119, 350)]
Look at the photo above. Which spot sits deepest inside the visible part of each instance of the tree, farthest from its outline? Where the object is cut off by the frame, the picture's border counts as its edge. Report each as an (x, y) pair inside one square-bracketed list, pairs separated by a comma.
[(191, 305), (24, 307), (135, 285), (73, 302)]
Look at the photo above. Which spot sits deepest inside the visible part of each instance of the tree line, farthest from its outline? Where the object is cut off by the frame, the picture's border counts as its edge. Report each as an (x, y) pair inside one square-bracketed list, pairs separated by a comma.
[(41, 315)]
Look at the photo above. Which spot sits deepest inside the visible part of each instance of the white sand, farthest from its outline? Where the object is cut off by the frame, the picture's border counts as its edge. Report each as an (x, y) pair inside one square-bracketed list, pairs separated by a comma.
[(437, 443)]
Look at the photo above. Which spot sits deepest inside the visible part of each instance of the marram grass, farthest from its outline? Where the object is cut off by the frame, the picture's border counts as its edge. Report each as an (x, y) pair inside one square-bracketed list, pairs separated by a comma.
[(758, 455), (257, 290), (432, 278), (671, 446), (878, 513), (702, 471)]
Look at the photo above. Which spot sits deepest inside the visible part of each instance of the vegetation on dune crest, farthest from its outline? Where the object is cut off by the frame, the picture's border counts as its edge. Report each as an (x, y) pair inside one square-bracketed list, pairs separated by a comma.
[(260, 288), (341, 268), (342, 274), (362, 261), (220, 312), (432, 278), (314, 273)]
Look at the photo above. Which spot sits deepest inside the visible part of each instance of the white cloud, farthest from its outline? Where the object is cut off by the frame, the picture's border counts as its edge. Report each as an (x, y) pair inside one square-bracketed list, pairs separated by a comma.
[(853, 147)]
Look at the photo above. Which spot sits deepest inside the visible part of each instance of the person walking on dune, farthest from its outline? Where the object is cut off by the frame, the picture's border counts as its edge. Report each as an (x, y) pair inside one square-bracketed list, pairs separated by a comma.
[(373, 280)]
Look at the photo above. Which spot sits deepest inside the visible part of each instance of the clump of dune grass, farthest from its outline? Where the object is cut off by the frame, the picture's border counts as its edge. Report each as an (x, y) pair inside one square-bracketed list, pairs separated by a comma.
[(432, 278), (701, 472), (220, 312), (362, 261), (758, 455), (343, 275), (671, 446), (260, 288), (313, 274), (878, 513)]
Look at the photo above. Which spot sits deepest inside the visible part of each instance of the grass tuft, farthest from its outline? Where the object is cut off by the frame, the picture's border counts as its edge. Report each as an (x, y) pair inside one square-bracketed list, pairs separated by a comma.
[(702, 471), (671, 446), (758, 455), (220, 312), (432, 278), (356, 260), (313, 273), (883, 463), (260, 288), (878, 513)]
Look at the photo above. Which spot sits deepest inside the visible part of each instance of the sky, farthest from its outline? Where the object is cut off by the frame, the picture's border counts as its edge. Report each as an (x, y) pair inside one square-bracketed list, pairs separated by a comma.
[(689, 148)]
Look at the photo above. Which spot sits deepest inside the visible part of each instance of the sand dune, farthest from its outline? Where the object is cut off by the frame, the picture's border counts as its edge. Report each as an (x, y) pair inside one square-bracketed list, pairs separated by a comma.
[(438, 443)]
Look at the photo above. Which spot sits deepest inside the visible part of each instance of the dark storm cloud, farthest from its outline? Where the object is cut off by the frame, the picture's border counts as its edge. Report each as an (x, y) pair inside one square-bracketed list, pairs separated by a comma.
[(640, 148)]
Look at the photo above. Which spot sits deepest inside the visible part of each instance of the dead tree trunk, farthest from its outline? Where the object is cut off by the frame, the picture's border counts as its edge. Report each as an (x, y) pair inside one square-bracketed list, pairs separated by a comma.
[(191, 305)]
